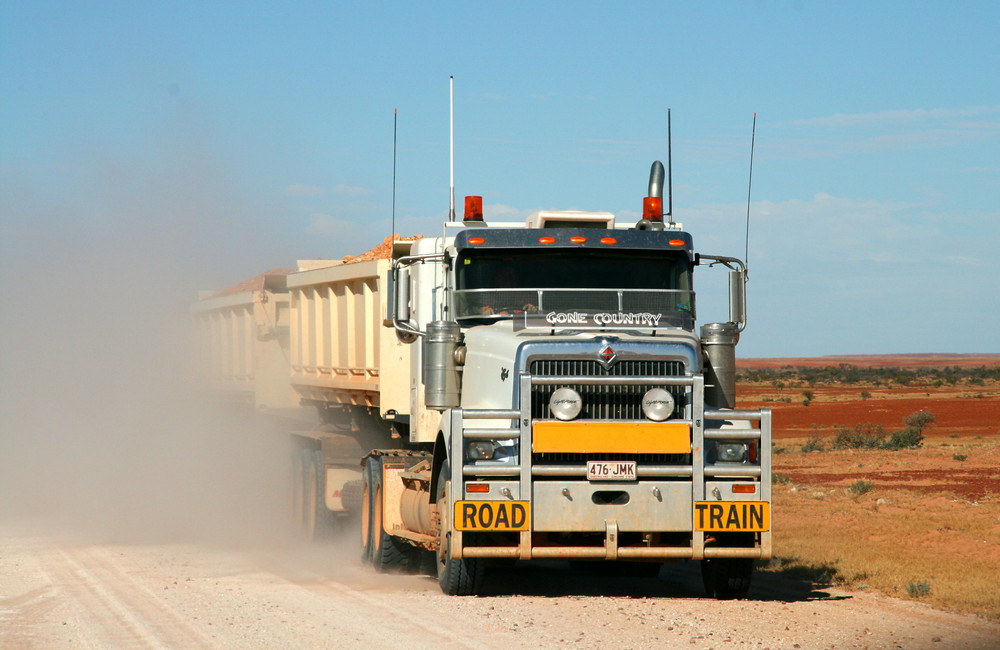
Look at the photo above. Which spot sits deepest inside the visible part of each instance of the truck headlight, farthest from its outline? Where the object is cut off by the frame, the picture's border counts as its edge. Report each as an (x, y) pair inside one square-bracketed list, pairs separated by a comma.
[(730, 452), (565, 403), (657, 404), (481, 449)]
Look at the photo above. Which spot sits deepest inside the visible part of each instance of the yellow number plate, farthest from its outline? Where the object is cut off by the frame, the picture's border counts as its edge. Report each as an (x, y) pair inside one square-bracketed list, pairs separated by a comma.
[(492, 515), (732, 516)]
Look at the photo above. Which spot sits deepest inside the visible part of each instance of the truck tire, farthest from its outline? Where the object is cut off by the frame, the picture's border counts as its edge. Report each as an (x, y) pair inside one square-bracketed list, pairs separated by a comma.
[(387, 554), (457, 577), (726, 578)]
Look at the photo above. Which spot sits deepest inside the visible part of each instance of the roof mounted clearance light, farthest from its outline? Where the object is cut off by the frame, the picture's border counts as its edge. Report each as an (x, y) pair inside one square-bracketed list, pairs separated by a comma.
[(476, 240), (608, 240), (578, 240), (546, 240), (676, 242), (652, 208), (473, 208)]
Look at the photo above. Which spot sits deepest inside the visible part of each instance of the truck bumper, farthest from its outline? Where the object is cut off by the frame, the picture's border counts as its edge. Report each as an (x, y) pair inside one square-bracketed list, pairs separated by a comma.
[(654, 518)]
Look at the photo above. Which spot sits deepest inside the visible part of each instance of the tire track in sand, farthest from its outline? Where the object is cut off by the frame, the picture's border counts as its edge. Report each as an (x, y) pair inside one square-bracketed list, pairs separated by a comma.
[(123, 611)]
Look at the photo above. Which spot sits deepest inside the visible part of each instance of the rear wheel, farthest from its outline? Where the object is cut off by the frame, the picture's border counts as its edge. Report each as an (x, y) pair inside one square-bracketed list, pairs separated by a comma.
[(457, 577)]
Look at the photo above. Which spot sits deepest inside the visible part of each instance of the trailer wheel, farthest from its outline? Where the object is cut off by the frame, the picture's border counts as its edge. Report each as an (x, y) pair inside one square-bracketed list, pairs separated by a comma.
[(385, 552), (726, 578), (457, 577)]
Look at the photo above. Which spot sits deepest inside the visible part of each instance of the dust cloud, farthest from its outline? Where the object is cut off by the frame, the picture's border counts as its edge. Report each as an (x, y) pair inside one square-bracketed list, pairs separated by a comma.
[(101, 425)]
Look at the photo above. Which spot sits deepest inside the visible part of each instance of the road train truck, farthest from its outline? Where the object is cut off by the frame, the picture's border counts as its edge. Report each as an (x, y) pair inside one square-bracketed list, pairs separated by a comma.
[(512, 391)]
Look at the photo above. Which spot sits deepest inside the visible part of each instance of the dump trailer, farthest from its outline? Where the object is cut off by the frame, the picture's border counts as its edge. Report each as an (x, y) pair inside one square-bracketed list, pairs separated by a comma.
[(522, 391)]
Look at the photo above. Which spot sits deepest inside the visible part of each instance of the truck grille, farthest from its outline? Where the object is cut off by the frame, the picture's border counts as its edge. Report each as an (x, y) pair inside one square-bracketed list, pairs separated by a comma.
[(621, 402)]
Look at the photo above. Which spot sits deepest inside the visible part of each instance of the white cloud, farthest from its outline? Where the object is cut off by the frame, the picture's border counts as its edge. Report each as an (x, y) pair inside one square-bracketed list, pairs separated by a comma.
[(961, 260), (301, 189), (349, 190), (838, 273), (304, 190), (897, 117), (324, 224), (501, 212)]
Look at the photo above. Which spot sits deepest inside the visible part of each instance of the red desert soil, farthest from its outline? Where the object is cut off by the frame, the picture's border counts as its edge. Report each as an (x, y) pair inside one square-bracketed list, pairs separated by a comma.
[(879, 360), (965, 417)]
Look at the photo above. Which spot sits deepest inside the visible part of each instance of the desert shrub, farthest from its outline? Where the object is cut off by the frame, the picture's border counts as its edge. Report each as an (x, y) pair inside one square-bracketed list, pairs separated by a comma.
[(809, 395), (918, 420), (912, 436), (906, 439), (780, 479), (959, 457), (863, 436), (814, 444), (918, 589), (860, 487), (785, 399), (865, 395)]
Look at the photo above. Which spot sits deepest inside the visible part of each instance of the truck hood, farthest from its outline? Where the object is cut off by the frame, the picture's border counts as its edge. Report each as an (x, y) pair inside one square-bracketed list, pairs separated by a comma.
[(496, 354)]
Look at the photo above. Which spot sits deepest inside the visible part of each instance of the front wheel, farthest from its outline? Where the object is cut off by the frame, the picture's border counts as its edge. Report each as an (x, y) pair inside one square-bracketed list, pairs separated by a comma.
[(726, 578), (457, 577)]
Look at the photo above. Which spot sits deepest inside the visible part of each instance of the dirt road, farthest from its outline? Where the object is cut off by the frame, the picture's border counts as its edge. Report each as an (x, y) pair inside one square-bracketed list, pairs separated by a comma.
[(62, 591)]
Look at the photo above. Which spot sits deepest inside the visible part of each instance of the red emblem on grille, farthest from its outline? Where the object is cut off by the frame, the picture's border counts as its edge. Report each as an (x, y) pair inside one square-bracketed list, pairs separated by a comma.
[(608, 354)]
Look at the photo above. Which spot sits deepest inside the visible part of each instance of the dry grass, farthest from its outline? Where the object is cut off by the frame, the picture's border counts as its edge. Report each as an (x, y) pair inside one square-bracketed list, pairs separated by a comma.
[(911, 542)]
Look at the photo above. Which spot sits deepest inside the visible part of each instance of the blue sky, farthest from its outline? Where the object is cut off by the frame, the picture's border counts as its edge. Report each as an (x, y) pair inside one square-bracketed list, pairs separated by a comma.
[(188, 145)]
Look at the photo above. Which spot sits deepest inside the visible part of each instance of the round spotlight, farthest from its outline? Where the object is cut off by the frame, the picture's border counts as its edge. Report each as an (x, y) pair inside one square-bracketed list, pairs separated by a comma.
[(481, 449), (565, 403), (730, 452), (657, 404)]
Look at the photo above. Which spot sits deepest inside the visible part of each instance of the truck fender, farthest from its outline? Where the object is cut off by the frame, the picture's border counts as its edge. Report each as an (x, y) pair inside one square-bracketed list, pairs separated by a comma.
[(440, 457)]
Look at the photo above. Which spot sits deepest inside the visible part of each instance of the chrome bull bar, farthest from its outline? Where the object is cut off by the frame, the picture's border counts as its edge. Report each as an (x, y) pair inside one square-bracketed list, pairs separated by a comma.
[(524, 472)]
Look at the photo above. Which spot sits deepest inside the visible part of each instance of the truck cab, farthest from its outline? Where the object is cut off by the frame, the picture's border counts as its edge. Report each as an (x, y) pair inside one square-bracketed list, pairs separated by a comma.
[(568, 405)]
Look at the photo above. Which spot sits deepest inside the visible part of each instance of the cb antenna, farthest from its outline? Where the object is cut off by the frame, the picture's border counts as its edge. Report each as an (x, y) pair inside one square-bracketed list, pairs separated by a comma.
[(670, 173), (395, 116), (753, 136), (451, 145)]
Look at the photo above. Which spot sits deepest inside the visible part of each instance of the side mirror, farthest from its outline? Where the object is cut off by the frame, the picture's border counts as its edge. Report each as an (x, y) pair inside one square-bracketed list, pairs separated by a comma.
[(402, 295), (738, 298)]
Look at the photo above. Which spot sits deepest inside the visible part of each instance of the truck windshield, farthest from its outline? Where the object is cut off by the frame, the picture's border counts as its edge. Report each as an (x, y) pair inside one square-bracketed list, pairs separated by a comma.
[(496, 284)]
